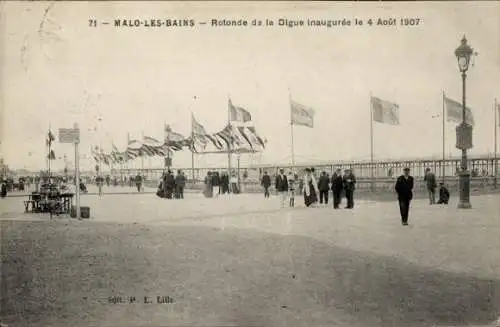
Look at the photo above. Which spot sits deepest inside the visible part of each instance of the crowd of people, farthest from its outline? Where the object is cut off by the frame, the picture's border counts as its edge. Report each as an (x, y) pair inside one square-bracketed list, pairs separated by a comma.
[(216, 184), (314, 189), (172, 187)]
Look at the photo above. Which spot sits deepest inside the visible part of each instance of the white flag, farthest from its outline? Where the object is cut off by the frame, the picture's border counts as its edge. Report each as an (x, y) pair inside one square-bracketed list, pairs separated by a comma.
[(454, 112), (385, 112), (301, 115)]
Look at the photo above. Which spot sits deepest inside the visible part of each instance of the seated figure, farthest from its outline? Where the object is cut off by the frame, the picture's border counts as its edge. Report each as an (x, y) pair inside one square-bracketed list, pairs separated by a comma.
[(444, 194)]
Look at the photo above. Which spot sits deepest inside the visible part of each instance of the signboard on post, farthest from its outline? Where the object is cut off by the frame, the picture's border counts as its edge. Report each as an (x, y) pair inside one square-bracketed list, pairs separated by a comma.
[(69, 135), (72, 135), (464, 136)]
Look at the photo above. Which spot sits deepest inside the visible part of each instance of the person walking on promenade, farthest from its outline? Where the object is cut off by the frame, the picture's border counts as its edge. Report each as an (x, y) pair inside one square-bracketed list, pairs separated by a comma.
[(138, 182), (266, 183), (281, 185), (99, 180), (291, 188), (215, 184), (404, 190), (337, 187), (324, 187), (310, 188), (349, 182), (3, 188), (430, 181), (180, 183)]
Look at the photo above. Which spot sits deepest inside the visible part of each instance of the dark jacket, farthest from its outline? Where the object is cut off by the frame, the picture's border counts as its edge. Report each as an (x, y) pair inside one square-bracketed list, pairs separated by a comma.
[(215, 180), (281, 183), (349, 182), (337, 183), (444, 194), (323, 183), (169, 181), (180, 180), (430, 180), (404, 187), (266, 181)]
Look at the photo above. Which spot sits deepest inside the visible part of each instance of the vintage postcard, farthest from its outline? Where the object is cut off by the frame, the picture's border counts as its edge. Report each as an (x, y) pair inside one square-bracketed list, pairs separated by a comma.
[(199, 163)]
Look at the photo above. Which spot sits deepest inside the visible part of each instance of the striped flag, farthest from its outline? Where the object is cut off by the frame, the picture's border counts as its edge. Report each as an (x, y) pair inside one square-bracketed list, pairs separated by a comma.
[(217, 142), (151, 141), (196, 127), (454, 112), (238, 114), (256, 139), (385, 112), (301, 115), (132, 153)]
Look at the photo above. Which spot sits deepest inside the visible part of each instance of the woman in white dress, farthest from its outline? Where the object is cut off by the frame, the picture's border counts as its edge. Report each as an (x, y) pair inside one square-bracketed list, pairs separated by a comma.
[(310, 187)]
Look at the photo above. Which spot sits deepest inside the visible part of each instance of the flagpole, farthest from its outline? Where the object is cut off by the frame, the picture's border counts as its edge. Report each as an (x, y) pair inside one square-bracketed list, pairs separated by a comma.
[(50, 151), (142, 154), (127, 159), (291, 128), (495, 160), (167, 141), (192, 148), (229, 143), (372, 175), (444, 139)]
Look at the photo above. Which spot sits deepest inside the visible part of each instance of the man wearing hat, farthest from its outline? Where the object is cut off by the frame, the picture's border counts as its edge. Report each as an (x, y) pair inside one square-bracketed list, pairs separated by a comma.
[(404, 189), (281, 185)]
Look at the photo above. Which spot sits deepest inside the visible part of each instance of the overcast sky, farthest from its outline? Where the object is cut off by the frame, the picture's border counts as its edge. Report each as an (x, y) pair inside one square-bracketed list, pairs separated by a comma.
[(57, 70)]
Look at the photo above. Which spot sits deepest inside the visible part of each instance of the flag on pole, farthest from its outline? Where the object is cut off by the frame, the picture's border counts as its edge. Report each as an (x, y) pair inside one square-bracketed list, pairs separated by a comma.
[(498, 113), (301, 115), (198, 138), (151, 141), (196, 127), (255, 137), (454, 112), (385, 112), (50, 138), (51, 155), (238, 114), (173, 137)]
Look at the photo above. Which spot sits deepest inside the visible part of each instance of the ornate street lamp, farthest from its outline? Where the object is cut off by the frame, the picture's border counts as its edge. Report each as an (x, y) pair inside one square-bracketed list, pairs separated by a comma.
[(464, 130)]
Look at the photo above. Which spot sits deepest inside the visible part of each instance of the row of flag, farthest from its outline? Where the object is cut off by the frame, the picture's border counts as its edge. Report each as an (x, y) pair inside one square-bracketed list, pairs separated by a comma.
[(383, 111), (387, 112), (238, 135)]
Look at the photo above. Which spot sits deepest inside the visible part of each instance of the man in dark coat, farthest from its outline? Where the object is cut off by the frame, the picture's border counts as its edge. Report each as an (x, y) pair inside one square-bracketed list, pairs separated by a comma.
[(337, 187), (266, 183), (404, 189), (444, 194), (169, 184), (180, 183), (215, 184), (430, 181), (349, 182), (281, 185), (324, 187)]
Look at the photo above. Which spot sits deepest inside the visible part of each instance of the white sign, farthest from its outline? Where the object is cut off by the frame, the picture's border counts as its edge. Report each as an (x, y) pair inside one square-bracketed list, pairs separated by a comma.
[(69, 135)]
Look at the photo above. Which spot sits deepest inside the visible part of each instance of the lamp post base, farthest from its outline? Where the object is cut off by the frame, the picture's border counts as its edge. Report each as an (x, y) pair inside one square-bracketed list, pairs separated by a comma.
[(464, 190)]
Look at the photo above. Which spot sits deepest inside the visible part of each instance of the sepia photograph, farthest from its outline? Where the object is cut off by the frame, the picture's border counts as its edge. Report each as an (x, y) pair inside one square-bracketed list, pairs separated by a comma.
[(249, 163)]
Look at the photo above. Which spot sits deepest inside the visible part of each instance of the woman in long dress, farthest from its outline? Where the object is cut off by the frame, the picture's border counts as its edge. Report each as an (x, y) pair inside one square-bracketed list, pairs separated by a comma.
[(310, 187)]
